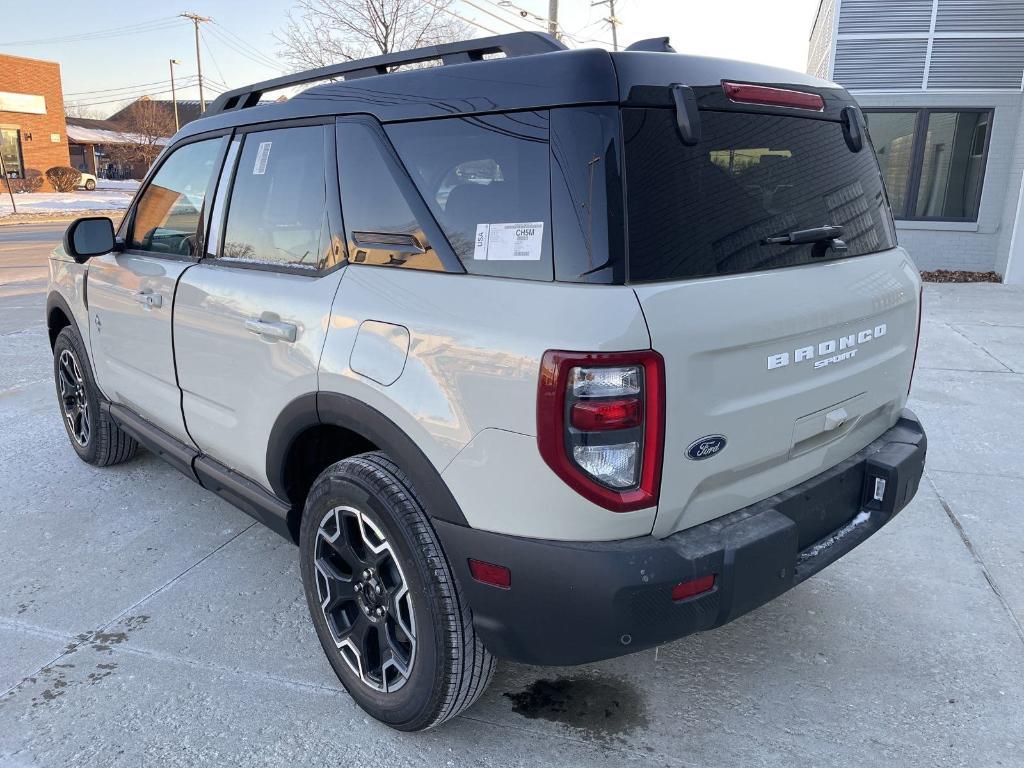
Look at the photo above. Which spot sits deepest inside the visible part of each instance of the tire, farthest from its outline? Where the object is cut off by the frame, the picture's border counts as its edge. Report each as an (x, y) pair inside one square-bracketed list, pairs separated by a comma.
[(427, 664), (90, 185), (95, 437)]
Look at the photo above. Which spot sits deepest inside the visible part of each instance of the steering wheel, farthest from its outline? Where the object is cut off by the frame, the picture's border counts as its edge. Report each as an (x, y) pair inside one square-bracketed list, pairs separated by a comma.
[(187, 245)]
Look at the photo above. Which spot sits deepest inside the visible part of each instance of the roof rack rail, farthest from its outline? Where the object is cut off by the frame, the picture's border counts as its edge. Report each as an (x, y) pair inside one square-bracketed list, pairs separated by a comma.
[(514, 44)]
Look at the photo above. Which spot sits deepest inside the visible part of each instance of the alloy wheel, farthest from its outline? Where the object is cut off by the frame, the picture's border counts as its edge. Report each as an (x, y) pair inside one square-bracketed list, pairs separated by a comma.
[(73, 397), (365, 599)]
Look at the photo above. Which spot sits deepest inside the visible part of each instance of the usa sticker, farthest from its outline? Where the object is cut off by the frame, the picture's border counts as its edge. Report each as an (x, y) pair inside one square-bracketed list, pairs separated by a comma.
[(521, 241), (262, 158)]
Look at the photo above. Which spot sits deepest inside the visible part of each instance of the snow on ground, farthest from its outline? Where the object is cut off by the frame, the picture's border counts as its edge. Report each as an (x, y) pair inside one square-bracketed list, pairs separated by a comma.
[(108, 196)]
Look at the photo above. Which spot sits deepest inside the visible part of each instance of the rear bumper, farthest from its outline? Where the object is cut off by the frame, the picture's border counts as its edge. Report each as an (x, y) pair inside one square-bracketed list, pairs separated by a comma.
[(577, 602)]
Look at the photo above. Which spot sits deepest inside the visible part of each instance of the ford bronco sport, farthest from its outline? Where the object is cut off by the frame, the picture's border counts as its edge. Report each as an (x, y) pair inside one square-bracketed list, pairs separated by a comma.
[(537, 354)]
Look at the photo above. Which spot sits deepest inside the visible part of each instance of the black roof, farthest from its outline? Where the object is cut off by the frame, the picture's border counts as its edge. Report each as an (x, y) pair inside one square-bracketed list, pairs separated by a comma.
[(546, 75)]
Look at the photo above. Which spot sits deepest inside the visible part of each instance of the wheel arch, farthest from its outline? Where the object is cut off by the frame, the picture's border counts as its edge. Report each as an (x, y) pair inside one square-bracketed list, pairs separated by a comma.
[(59, 316), (317, 429)]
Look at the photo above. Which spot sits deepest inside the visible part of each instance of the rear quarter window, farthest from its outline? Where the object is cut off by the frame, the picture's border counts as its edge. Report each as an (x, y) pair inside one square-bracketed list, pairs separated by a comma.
[(486, 181), (706, 210)]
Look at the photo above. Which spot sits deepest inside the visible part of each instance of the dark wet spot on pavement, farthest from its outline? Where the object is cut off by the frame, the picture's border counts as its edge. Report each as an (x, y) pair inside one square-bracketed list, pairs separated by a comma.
[(605, 709)]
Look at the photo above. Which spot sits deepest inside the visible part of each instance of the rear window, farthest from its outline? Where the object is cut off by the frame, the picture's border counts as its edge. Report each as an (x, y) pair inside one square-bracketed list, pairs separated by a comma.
[(706, 210), (486, 180)]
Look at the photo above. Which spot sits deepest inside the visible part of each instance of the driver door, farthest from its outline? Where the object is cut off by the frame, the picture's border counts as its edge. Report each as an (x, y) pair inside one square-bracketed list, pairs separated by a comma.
[(131, 292)]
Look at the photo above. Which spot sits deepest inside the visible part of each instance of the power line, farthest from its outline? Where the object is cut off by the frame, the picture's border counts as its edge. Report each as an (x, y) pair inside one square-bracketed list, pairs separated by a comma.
[(541, 24), (224, 40), (120, 88), (82, 99), (133, 29), (245, 44), (450, 12), (494, 15)]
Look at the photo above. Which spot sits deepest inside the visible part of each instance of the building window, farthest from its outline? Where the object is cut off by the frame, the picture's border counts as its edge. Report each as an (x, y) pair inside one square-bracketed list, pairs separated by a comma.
[(10, 149), (932, 160)]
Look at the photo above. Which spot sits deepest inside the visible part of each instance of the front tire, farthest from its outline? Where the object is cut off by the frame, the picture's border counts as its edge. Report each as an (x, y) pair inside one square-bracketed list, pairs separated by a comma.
[(90, 185), (384, 600), (95, 437)]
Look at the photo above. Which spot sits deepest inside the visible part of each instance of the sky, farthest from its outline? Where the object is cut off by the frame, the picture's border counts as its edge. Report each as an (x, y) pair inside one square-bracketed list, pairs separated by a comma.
[(111, 52)]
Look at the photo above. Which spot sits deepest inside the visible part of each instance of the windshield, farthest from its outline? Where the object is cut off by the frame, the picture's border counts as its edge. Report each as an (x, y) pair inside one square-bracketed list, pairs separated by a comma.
[(707, 210)]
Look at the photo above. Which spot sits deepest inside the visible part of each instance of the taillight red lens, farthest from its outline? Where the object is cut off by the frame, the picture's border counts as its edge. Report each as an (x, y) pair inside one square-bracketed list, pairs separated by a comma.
[(601, 415), (746, 93), (693, 587), (601, 423), (489, 573)]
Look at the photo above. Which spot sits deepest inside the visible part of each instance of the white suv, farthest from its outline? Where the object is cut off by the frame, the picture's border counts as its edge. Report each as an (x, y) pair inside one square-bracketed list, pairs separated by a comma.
[(552, 355)]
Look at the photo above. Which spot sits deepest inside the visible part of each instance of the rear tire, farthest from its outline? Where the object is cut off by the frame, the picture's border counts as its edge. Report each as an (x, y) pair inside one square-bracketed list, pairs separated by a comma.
[(90, 185), (95, 437), (384, 600)]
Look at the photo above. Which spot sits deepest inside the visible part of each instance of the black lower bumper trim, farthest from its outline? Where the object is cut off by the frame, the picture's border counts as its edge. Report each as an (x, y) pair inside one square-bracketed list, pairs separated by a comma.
[(577, 602)]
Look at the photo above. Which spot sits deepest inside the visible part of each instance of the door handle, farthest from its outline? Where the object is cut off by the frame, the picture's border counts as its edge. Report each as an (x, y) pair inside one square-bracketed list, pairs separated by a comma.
[(269, 330), (149, 299)]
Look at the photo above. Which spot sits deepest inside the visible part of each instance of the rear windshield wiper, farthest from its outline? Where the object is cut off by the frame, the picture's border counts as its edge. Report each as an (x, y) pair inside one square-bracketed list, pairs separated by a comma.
[(823, 239)]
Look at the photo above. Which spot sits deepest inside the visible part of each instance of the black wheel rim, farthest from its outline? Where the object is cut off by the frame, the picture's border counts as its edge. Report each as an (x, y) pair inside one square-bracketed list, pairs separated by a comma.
[(365, 599), (74, 401)]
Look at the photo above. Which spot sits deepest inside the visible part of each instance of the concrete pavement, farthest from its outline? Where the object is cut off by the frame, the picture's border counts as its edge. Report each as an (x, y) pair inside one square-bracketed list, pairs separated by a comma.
[(145, 621)]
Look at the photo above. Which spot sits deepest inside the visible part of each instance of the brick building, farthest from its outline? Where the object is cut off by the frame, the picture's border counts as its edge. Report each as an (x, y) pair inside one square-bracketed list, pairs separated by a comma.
[(33, 136)]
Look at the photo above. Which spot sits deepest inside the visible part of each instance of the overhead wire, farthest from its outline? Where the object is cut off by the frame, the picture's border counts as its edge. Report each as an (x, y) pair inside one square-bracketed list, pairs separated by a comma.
[(132, 29)]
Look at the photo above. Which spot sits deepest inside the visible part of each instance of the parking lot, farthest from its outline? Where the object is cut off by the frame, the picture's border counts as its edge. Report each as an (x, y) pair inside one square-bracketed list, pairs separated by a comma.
[(145, 621)]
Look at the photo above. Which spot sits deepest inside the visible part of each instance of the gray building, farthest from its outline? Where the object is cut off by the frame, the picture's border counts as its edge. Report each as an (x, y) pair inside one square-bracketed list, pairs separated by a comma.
[(941, 84)]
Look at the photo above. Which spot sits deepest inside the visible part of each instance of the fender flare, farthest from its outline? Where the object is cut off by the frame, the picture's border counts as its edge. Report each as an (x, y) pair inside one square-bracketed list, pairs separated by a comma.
[(54, 300), (343, 411)]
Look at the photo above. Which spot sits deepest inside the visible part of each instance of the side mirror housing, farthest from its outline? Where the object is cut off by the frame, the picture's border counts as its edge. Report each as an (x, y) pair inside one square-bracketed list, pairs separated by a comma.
[(89, 236)]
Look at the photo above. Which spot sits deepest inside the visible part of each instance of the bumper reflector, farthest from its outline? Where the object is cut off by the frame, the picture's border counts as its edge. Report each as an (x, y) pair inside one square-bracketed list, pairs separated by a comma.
[(685, 589), (488, 573)]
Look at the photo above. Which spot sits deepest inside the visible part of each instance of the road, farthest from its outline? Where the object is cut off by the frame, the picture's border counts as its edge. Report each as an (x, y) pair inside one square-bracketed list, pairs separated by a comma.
[(144, 621), (23, 252)]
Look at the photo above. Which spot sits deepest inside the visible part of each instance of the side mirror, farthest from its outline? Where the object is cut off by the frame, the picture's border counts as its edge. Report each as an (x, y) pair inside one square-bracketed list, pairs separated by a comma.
[(89, 236)]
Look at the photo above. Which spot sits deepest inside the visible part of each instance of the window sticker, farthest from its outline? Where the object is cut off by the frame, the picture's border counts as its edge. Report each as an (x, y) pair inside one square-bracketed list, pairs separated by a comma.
[(521, 241), (262, 157)]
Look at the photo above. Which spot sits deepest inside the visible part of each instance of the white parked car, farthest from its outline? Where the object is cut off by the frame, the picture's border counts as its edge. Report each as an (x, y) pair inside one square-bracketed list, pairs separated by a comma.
[(88, 181)]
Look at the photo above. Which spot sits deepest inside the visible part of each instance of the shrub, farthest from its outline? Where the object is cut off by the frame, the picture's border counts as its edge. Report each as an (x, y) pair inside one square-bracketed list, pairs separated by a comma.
[(31, 182), (64, 178)]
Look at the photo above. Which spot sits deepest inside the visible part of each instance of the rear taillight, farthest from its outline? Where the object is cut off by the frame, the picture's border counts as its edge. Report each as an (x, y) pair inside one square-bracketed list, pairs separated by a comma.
[(600, 424), (746, 93), (917, 341)]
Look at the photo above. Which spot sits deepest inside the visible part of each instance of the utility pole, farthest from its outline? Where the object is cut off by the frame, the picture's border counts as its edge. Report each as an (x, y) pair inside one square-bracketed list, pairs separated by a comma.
[(613, 22), (196, 20), (174, 97), (553, 18)]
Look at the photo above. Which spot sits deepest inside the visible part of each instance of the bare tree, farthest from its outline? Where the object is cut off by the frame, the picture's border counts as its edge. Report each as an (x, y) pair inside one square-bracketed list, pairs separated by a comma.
[(72, 109), (146, 125), (322, 32)]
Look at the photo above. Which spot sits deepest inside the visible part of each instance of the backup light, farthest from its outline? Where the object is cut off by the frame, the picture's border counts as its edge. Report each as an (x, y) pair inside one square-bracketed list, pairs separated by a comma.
[(614, 465), (746, 93)]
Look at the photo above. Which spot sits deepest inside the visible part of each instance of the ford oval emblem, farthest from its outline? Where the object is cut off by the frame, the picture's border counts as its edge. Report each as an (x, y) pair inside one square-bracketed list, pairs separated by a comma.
[(706, 447)]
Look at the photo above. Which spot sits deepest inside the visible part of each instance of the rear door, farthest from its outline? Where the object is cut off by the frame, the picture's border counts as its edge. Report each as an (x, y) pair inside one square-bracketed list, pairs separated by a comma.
[(130, 293), (781, 360), (251, 318)]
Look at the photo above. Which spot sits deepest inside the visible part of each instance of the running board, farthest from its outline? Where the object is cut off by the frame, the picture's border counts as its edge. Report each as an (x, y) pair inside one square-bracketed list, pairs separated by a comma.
[(236, 489)]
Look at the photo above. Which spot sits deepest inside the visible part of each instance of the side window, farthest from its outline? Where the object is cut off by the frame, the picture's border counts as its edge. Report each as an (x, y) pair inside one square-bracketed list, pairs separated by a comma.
[(487, 182), (380, 225), (277, 211), (167, 215)]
